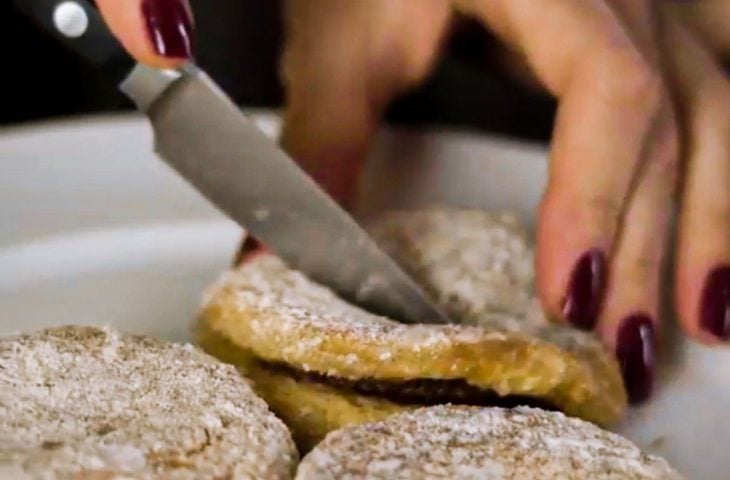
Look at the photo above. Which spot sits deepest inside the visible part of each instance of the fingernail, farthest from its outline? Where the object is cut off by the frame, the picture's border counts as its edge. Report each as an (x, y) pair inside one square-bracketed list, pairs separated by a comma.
[(715, 303), (170, 27), (635, 354), (583, 301)]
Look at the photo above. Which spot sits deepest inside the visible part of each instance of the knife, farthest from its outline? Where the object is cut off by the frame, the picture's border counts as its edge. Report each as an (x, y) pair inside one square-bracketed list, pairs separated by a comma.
[(204, 136)]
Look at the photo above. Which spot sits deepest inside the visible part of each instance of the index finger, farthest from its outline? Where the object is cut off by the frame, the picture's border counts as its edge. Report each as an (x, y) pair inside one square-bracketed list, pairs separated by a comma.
[(158, 33)]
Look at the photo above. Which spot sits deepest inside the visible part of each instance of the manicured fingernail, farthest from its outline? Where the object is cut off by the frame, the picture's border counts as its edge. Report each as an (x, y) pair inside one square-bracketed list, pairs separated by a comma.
[(635, 354), (250, 248), (715, 303), (584, 298), (170, 27)]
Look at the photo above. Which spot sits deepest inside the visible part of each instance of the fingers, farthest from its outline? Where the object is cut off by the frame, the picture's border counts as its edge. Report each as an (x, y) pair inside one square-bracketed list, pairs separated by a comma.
[(603, 219), (342, 64), (609, 98), (708, 19), (703, 259), (598, 147), (155, 32), (629, 320)]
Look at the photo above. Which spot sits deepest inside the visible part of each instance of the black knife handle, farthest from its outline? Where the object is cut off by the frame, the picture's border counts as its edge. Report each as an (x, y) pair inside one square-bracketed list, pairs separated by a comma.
[(79, 25)]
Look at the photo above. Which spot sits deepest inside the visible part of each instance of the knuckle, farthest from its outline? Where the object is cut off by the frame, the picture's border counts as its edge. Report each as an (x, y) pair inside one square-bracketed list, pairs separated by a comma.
[(646, 260), (623, 76), (606, 209), (667, 145)]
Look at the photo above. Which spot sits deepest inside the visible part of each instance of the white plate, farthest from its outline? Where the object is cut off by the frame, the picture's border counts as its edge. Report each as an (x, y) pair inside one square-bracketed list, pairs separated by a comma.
[(95, 230)]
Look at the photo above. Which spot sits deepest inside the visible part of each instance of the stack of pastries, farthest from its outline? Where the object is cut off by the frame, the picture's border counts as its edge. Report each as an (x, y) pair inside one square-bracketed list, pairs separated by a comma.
[(499, 394)]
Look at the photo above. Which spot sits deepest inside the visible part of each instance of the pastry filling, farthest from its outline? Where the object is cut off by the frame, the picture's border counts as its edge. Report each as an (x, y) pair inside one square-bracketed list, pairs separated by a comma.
[(420, 391)]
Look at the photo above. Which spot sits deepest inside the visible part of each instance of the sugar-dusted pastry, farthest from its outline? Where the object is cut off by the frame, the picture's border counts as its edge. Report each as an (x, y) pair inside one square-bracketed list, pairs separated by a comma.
[(446, 442), (87, 403), (323, 363)]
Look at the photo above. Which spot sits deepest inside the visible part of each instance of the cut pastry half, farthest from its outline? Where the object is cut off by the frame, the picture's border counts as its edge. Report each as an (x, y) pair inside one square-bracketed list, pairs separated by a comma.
[(323, 363)]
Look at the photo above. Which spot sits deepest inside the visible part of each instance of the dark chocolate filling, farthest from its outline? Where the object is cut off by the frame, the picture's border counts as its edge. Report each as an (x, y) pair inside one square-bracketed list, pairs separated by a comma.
[(420, 391)]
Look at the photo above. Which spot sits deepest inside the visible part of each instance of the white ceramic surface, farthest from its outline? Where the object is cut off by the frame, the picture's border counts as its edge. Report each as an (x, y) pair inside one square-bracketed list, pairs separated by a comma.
[(95, 230)]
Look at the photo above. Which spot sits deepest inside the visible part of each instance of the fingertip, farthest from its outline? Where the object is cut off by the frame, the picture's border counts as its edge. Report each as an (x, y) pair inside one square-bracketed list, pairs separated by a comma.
[(549, 260), (571, 268), (635, 342), (633, 337), (158, 33), (684, 293), (703, 303), (546, 282), (701, 336), (714, 307)]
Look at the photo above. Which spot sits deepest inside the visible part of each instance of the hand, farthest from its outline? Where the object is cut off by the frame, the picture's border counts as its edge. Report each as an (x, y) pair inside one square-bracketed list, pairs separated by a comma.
[(159, 33), (642, 120)]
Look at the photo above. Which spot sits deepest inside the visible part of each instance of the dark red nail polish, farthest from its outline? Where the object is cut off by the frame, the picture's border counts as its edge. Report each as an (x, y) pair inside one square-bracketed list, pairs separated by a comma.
[(715, 303), (170, 27), (635, 354), (250, 247), (584, 298)]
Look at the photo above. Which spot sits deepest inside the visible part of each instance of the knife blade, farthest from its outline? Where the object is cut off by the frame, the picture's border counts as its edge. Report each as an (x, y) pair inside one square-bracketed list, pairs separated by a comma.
[(205, 137)]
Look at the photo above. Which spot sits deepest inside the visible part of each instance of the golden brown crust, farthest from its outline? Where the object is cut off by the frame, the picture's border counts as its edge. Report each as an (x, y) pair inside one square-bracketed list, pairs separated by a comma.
[(353, 344), (87, 403), (480, 443), (279, 316), (310, 410)]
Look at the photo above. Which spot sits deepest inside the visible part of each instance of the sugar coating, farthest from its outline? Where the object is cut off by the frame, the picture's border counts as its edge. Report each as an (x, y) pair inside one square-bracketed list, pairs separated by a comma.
[(266, 284), (478, 265), (471, 261), (480, 443), (85, 402)]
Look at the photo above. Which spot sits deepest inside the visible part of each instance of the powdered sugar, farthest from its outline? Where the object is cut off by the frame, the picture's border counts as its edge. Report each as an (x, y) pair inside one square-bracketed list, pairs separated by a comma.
[(470, 260), (76, 399), (266, 284), (480, 443), (477, 265), (503, 344)]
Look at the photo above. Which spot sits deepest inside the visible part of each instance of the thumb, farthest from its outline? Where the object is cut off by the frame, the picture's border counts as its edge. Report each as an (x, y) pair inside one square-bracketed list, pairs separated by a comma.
[(158, 33)]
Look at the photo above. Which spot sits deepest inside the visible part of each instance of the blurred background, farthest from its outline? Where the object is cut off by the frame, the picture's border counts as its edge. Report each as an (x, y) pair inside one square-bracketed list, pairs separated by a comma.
[(42, 80)]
